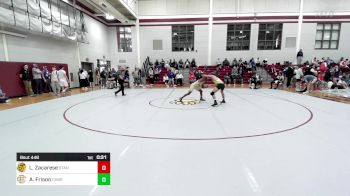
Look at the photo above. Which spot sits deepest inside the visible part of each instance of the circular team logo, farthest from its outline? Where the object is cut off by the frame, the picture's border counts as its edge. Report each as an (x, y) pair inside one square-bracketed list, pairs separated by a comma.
[(185, 102), (21, 179), (21, 167)]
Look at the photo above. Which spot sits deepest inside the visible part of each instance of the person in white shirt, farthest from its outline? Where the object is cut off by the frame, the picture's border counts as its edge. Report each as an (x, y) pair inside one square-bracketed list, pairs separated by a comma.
[(62, 77), (179, 77), (55, 84), (218, 62), (298, 76), (83, 76), (166, 80)]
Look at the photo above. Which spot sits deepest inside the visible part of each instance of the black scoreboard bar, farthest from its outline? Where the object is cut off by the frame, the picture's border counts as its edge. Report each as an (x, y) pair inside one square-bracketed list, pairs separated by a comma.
[(63, 156)]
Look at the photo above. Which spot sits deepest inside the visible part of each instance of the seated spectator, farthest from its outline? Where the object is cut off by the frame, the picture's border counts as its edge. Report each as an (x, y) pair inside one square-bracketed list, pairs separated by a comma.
[(234, 62), (218, 62), (273, 69), (240, 61), (265, 62), (191, 77), (179, 78), (278, 80), (255, 81), (187, 63), (235, 74), (137, 79), (344, 63), (193, 63), (156, 63), (258, 63), (341, 84), (181, 64), (166, 80), (226, 62), (111, 82), (227, 79), (162, 63), (3, 98), (252, 64)]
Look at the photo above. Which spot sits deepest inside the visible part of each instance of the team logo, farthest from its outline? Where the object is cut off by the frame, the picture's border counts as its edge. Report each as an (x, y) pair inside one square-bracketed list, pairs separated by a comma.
[(185, 102), (21, 167), (21, 179)]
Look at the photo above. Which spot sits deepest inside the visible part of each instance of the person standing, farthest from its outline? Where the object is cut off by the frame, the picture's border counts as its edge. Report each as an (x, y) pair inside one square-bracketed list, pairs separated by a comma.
[(37, 79), (120, 76), (55, 84), (289, 74), (46, 78), (91, 79), (83, 76), (300, 56), (63, 79), (24, 75)]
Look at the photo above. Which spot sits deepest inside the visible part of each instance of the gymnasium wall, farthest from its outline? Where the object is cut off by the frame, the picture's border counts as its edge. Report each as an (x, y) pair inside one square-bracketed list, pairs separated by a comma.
[(150, 33), (10, 81), (39, 48), (122, 58), (171, 7)]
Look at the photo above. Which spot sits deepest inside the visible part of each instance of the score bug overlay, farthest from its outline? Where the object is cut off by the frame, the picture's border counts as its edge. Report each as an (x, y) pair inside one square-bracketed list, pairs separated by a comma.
[(63, 169)]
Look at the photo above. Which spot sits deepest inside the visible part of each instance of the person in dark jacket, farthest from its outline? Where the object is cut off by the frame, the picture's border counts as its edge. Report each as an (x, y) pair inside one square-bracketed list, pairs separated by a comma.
[(120, 77), (300, 56), (25, 77), (289, 72)]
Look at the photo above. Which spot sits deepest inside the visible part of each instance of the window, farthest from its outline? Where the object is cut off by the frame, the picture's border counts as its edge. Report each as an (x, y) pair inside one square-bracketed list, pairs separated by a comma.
[(183, 38), (124, 39), (270, 36), (238, 37), (327, 36)]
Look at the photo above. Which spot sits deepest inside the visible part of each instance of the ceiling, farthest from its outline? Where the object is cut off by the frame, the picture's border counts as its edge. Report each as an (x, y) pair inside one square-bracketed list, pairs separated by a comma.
[(114, 7)]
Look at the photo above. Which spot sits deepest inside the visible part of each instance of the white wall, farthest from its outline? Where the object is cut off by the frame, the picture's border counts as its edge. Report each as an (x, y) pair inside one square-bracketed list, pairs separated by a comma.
[(308, 43), (219, 45), (129, 57), (173, 7), (252, 6), (39, 48), (98, 41), (150, 33), (2, 54), (326, 5)]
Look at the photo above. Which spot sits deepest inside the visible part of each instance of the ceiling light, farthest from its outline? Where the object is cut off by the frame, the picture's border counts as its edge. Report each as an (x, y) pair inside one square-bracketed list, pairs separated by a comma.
[(109, 17)]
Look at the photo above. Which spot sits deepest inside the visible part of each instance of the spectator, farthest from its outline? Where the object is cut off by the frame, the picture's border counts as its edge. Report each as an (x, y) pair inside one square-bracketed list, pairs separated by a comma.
[(265, 62), (62, 77), (55, 85), (234, 62), (171, 77), (226, 62), (258, 63), (218, 62), (91, 78), (142, 75), (235, 74), (341, 84), (300, 56), (156, 73), (310, 81), (255, 81), (187, 63), (227, 79), (3, 98), (298, 76), (24, 75), (103, 76), (46, 78), (181, 64), (84, 82), (179, 79), (289, 72), (278, 80), (137, 79), (151, 76), (166, 80), (252, 64), (97, 77), (193, 63), (344, 63), (37, 79), (162, 63)]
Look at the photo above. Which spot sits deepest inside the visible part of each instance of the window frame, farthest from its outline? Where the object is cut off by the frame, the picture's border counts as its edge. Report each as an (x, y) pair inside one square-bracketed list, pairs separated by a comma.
[(238, 45), (123, 44), (330, 40), (185, 40), (268, 44)]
